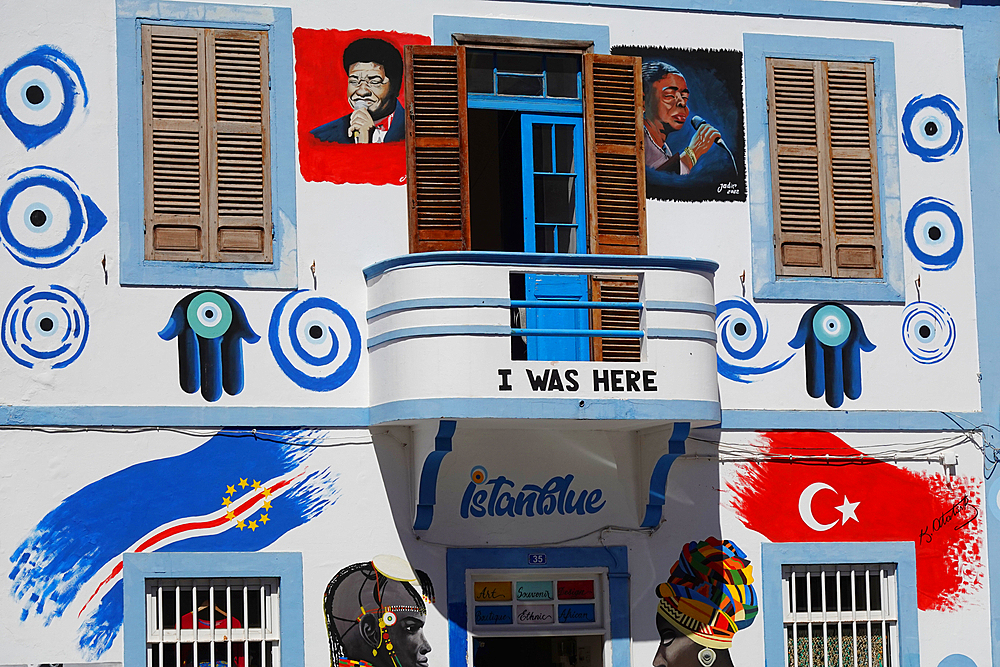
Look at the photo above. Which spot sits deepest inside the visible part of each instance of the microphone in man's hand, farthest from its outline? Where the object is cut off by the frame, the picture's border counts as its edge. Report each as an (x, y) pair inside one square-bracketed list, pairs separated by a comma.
[(697, 122)]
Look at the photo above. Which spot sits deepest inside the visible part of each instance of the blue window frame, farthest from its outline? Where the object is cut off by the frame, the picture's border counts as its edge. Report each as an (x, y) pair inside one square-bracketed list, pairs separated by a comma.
[(286, 567), (766, 285), (774, 556), (135, 269)]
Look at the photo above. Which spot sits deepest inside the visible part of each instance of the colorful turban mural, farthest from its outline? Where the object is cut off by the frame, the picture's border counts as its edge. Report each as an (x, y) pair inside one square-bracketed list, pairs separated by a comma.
[(709, 596)]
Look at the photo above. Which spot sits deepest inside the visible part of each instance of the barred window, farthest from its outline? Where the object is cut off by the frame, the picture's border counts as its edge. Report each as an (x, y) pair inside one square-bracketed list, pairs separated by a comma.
[(840, 615)]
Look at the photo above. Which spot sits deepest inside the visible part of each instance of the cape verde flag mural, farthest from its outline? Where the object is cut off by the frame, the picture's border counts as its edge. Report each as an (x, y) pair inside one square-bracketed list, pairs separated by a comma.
[(235, 492)]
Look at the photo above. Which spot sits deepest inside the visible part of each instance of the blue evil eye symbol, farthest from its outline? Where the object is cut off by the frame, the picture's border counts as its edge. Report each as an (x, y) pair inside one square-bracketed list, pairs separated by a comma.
[(210, 328), (928, 332), (833, 338), (478, 474), (742, 333), (45, 327), (44, 218), (315, 341), (931, 128), (38, 93), (933, 232)]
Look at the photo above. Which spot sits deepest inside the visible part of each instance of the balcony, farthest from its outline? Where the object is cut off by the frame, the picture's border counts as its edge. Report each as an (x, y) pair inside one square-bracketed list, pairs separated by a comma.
[(454, 335)]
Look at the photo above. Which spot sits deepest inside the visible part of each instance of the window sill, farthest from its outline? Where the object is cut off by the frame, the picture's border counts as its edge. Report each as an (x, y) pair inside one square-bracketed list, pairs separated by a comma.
[(827, 289), (150, 273)]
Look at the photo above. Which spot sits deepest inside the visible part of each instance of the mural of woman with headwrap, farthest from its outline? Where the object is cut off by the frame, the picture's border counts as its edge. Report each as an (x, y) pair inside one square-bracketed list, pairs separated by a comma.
[(375, 617), (707, 598)]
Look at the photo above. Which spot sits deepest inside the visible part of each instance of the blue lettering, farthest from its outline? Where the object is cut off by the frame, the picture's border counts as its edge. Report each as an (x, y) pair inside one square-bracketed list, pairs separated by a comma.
[(478, 498), (531, 500), (505, 503), (525, 503), (578, 507), (466, 499), (594, 496), (498, 483)]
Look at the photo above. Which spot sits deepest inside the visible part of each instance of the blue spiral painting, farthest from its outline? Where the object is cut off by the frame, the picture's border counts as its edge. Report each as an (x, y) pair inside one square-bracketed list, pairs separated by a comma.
[(742, 333), (928, 332), (39, 93), (933, 233), (45, 327), (931, 128)]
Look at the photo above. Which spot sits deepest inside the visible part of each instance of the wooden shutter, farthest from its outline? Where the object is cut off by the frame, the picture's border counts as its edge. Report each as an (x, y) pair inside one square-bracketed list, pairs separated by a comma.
[(206, 146), (620, 289), (616, 175), (824, 168), (437, 153)]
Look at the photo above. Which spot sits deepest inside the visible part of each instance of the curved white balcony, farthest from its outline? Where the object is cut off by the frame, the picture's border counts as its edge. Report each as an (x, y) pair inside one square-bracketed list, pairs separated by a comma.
[(440, 341)]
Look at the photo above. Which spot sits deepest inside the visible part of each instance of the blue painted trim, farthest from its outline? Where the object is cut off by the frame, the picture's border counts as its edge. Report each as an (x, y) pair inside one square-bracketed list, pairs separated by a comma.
[(773, 556), (580, 333), (766, 286), (436, 302), (427, 494), (614, 558), (849, 420), (681, 306), (619, 406), (620, 305), (519, 103), (682, 334), (442, 330), (446, 26), (209, 416), (282, 273), (787, 9), (658, 478), (531, 260), (287, 567)]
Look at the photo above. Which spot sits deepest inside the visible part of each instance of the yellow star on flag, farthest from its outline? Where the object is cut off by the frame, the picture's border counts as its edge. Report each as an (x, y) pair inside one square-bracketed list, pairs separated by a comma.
[(267, 492), (226, 502), (253, 525), (230, 516), (256, 484), (264, 519), (230, 490), (243, 483), (267, 504), (241, 525)]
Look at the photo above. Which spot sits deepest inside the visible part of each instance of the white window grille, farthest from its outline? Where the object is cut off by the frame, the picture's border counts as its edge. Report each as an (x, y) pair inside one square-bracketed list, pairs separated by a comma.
[(212, 623), (840, 615)]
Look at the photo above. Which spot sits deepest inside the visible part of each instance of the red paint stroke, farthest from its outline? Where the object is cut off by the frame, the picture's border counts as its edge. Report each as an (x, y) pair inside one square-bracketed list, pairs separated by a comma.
[(944, 516), (321, 96)]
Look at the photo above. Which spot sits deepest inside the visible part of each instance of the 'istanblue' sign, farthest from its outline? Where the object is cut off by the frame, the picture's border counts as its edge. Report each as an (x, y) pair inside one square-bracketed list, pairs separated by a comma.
[(556, 495)]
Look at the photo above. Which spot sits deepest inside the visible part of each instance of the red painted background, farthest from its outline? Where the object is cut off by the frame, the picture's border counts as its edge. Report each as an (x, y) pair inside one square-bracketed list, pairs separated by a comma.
[(943, 516), (321, 96)]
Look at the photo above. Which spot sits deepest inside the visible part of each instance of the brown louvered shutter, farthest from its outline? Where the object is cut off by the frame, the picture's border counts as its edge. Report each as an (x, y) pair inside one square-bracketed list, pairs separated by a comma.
[(615, 289), (616, 176), (823, 176), (437, 153), (205, 139)]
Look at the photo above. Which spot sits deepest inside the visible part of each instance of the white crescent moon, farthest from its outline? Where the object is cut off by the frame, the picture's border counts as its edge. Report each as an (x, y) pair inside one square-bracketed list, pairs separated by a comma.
[(805, 506)]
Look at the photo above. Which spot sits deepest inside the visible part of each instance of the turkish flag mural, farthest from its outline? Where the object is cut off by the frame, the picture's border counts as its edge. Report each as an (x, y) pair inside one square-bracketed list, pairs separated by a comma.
[(865, 500)]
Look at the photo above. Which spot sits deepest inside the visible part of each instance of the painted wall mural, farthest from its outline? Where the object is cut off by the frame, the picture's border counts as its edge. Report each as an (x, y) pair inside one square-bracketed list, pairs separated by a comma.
[(708, 598), (45, 327), (869, 501), (933, 233), (693, 120), (743, 333), (834, 339), (44, 218), (315, 341), (931, 128), (928, 332), (207, 499), (210, 328), (375, 615), (41, 90), (350, 104)]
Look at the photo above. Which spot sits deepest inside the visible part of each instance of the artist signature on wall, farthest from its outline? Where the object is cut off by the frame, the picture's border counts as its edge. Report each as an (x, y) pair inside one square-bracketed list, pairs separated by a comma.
[(958, 512)]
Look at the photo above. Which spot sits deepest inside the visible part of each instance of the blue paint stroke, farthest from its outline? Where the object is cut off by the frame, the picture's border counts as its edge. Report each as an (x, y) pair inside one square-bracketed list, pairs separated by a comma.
[(834, 339), (45, 327), (212, 364), (305, 344), (93, 526), (24, 118), (742, 332), (933, 232), (928, 332), (658, 478), (29, 230), (429, 473), (931, 128)]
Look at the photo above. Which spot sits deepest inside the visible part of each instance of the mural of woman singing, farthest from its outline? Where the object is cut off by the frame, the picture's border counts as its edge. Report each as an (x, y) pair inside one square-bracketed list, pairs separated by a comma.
[(375, 617), (706, 600)]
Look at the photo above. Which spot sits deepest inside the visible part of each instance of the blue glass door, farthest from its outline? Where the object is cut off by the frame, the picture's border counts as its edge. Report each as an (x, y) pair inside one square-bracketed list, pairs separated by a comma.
[(553, 158)]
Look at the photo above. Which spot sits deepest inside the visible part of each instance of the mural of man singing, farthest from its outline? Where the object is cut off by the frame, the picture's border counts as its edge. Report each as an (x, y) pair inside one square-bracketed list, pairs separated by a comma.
[(706, 600), (375, 617), (374, 70)]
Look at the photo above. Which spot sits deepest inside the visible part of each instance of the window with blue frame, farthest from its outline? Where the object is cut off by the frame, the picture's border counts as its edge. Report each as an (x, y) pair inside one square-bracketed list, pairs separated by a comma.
[(824, 200), (205, 135)]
